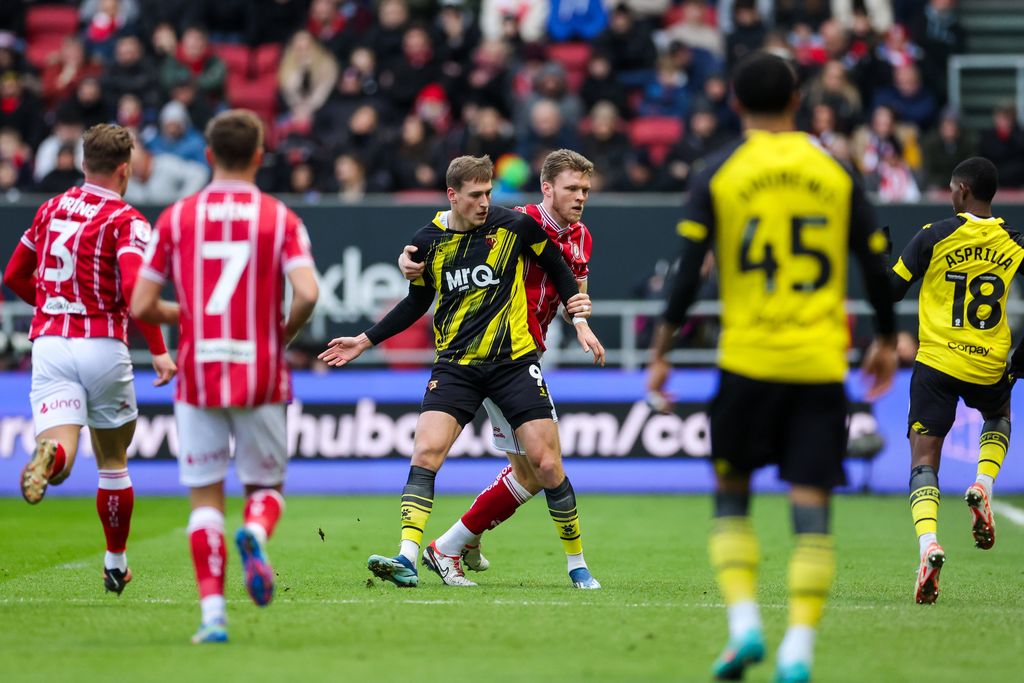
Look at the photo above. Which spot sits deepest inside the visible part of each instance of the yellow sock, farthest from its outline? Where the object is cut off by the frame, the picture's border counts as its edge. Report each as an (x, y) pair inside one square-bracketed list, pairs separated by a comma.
[(568, 526), (924, 507), (415, 513), (735, 555), (811, 570), (993, 451)]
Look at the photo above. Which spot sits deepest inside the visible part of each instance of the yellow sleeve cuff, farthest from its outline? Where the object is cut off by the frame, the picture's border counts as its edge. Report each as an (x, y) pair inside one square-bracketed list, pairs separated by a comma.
[(901, 269), (692, 230)]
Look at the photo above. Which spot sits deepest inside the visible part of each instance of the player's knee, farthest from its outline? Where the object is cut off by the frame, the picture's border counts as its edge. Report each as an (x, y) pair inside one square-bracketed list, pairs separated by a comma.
[(428, 457), (550, 472)]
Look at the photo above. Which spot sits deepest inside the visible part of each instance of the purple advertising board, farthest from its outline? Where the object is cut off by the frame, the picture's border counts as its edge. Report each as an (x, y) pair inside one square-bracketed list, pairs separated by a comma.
[(352, 432)]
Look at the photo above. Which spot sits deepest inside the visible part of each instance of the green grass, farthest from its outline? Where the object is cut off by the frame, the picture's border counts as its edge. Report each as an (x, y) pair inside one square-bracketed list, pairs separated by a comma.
[(657, 619)]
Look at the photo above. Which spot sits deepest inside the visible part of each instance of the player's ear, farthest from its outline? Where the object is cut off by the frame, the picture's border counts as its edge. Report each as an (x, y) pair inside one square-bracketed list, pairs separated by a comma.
[(257, 158), (451, 195), (546, 188), (209, 156)]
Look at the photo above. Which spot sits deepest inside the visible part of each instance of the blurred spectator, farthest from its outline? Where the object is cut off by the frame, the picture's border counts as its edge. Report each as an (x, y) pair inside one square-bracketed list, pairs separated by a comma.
[(12, 16), (20, 110), (306, 77), (666, 94), (370, 146), (327, 25), (200, 111), (716, 93), (897, 50), (67, 131), (695, 63), (64, 70), (11, 56), (489, 134), (695, 29), (129, 115), (177, 136), (274, 21), (385, 37), (302, 181), (629, 47), (725, 13), (364, 62), (892, 179), (163, 178), (415, 165), (86, 104), (163, 42), (174, 14), (549, 83), (833, 88), (195, 62), (811, 13), (433, 108), (405, 78), (349, 178), (225, 21), (65, 172), (131, 72), (878, 13), (104, 20), (576, 20), (294, 150), (547, 131), (639, 175), (489, 82), (606, 145), (15, 152), (456, 36), (9, 180), (703, 136), (332, 119), (908, 97), (871, 142), (939, 33), (1003, 145), (519, 21), (601, 85), (945, 147), (748, 31)]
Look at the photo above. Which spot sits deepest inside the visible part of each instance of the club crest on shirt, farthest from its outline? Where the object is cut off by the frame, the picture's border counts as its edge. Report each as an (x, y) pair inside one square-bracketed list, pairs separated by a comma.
[(431, 385), (491, 240)]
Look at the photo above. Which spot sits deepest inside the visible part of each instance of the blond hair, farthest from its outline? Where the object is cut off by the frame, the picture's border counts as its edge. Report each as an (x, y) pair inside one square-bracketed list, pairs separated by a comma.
[(466, 168), (106, 146), (564, 160)]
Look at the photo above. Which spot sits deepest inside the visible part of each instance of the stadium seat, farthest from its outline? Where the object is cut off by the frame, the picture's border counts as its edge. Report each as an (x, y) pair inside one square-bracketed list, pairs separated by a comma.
[(257, 94), (235, 57), (59, 20), (656, 134), (573, 56), (268, 59), (39, 49)]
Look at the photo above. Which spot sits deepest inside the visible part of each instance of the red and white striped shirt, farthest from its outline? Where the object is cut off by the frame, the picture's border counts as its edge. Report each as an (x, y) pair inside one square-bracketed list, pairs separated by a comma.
[(575, 243), (79, 238), (227, 249)]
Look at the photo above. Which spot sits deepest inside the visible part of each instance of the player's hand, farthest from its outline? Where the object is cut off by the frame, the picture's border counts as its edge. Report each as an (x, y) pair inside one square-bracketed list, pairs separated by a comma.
[(879, 368), (589, 342), (165, 369), (410, 269), (578, 306), (657, 376), (343, 350)]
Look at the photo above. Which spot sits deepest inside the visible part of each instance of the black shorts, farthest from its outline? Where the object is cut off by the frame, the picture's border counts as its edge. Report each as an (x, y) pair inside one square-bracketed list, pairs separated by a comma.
[(799, 427), (934, 395), (517, 387)]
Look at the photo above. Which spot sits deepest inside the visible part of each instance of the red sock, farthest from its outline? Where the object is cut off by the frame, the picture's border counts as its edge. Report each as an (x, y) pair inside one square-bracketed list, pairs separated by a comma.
[(115, 499), (264, 508), (496, 503), (209, 555), (60, 460)]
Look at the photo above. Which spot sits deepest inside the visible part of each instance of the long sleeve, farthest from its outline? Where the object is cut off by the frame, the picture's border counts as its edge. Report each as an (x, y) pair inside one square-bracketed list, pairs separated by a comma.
[(20, 273), (405, 313), (129, 264), (547, 255), (870, 247)]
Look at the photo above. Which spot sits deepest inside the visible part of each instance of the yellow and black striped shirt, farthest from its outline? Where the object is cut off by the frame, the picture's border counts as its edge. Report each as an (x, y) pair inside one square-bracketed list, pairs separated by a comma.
[(481, 314)]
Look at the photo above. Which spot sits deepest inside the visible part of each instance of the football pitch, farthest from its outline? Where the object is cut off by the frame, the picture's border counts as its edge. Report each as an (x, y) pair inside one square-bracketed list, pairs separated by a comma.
[(658, 617)]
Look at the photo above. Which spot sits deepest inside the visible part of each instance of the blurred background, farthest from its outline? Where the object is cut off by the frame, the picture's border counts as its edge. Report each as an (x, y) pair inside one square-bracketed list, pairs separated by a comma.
[(365, 103)]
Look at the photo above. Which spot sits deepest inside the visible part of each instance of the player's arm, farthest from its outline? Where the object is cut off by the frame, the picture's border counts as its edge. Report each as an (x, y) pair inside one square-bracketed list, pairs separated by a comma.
[(128, 263), (547, 255), (20, 273), (305, 292), (870, 246), (579, 307), (912, 263)]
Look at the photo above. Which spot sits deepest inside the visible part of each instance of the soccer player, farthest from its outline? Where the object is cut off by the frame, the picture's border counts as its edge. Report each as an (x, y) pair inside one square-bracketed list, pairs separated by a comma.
[(474, 255), (781, 215), (565, 184), (965, 264), (228, 250), (78, 264)]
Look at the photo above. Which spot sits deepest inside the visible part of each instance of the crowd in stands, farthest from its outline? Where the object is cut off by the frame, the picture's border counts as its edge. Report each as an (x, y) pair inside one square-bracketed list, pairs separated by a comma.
[(362, 96)]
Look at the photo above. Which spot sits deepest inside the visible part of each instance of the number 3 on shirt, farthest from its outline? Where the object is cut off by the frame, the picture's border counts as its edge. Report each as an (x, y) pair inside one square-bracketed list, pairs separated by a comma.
[(235, 256), (65, 269)]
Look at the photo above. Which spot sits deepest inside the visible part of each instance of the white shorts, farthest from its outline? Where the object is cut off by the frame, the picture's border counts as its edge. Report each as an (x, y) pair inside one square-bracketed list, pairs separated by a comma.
[(204, 444), (502, 435), (81, 381)]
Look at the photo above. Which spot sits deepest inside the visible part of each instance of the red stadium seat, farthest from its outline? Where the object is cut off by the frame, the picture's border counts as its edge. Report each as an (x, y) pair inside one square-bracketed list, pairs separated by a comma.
[(259, 95), (656, 134), (40, 48), (58, 20), (268, 59), (235, 57), (573, 56)]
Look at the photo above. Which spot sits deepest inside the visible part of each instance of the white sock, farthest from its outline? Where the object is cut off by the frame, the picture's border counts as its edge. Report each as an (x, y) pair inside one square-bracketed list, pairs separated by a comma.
[(115, 561), (455, 539), (743, 617), (258, 531), (576, 561), (410, 550), (213, 608), (987, 482), (797, 646), (925, 540), (474, 542)]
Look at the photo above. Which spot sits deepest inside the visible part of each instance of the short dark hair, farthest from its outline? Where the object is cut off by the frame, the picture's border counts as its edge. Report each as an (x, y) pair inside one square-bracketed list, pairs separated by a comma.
[(764, 83), (234, 136), (469, 168), (980, 175), (106, 146)]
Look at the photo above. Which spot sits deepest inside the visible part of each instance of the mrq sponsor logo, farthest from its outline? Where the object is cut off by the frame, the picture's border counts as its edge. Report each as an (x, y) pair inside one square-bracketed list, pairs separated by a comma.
[(371, 430)]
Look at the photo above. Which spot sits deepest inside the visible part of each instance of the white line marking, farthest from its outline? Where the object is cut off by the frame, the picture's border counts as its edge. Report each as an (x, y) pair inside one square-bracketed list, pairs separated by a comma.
[(1010, 512)]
